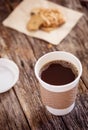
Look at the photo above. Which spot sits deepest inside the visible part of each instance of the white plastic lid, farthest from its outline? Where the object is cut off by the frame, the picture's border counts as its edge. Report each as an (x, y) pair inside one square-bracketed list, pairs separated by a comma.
[(9, 74)]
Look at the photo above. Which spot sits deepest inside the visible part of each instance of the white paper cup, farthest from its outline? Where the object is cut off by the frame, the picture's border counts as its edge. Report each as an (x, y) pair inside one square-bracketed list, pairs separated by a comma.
[(53, 96)]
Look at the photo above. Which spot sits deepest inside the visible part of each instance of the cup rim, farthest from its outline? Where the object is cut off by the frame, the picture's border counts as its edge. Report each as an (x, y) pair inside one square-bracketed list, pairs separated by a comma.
[(58, 86)]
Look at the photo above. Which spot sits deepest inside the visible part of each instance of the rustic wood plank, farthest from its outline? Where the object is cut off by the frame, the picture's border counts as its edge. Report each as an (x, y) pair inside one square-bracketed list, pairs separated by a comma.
[(11, 115), (13, 3), (78, 118), (84, 3), (3, 10)]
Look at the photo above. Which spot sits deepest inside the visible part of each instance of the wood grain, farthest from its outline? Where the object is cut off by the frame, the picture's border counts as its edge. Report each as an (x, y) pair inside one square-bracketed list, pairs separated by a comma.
[(11, 115), (21, 108)]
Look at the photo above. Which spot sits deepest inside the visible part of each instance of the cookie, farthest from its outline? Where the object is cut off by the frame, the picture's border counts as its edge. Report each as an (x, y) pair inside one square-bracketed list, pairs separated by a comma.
[(45, 19), (48, 29), (34, 23), (51, 17)]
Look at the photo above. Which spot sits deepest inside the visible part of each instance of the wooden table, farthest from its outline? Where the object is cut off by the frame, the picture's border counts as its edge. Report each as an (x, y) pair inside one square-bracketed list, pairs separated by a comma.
[(21, 108)]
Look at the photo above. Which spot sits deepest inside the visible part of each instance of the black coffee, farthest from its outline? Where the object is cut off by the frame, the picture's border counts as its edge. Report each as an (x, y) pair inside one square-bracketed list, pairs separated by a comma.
[(58, 72)]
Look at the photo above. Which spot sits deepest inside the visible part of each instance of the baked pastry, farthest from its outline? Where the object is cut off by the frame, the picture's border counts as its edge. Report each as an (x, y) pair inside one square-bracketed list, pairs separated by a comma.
[(45, 19)]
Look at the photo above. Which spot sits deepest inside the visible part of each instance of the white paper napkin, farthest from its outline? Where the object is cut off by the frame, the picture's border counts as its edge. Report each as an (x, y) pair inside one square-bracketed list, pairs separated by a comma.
[(19, 18)]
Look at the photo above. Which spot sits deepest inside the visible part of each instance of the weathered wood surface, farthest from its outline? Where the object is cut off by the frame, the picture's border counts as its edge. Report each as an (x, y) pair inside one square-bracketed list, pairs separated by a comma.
[(21, 108)]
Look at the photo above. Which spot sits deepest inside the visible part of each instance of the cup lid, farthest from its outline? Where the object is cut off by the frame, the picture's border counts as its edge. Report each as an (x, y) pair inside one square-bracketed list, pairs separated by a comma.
[(9, 74)]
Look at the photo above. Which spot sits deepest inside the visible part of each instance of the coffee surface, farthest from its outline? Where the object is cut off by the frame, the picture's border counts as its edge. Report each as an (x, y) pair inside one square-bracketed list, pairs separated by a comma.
[(58, 73)]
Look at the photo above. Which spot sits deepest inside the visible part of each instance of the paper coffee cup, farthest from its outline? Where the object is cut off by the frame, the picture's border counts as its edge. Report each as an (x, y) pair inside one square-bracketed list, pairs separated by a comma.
[(58, 99)]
